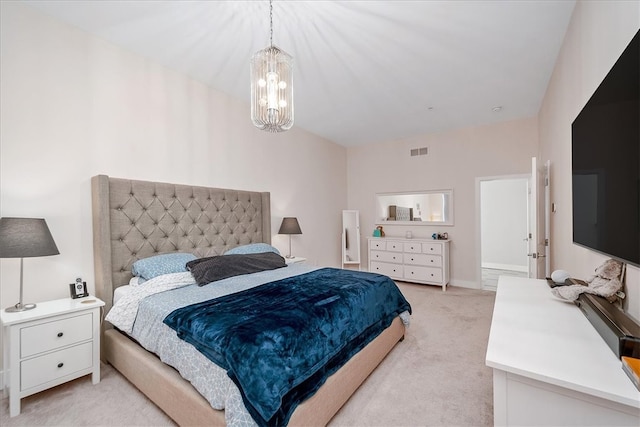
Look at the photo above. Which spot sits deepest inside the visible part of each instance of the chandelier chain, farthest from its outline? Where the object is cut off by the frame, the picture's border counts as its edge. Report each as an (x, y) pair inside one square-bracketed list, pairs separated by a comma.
[(271, 22)]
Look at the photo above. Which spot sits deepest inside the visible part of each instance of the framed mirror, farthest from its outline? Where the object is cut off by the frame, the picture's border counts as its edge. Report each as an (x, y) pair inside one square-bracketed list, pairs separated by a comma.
[(350, 238), (433, 207)]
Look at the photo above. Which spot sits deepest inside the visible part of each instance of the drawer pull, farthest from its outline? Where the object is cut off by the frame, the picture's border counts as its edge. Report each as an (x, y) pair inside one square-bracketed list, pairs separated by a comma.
[(60, 334), (60, 365)]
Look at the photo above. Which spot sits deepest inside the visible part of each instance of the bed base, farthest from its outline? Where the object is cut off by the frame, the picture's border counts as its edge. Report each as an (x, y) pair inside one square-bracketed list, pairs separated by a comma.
[(182, 403)]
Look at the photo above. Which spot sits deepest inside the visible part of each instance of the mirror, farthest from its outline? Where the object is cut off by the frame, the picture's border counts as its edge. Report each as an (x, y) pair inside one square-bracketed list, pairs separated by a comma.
[(350, 238), (415, 208)]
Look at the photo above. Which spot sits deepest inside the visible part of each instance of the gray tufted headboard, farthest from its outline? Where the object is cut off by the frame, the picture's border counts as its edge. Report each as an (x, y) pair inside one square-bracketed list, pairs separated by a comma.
[(137, 219)]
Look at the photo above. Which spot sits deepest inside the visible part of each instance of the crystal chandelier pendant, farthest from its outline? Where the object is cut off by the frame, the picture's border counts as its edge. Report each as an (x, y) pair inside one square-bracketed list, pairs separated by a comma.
[(272, 88)]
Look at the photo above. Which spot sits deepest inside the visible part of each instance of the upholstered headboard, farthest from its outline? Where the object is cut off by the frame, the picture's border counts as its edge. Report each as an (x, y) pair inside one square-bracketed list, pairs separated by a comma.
[(138, 219)]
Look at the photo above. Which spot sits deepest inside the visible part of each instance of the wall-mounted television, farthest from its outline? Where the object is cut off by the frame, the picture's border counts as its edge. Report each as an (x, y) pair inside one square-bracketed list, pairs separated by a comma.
[(605, 161)]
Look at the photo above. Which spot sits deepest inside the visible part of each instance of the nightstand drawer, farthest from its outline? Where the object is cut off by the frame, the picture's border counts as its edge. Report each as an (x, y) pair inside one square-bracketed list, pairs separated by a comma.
[(41, 370), (56, 334)]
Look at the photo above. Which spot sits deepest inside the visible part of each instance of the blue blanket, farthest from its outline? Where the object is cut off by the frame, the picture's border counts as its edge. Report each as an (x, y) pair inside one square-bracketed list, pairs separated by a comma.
[(280, 341)]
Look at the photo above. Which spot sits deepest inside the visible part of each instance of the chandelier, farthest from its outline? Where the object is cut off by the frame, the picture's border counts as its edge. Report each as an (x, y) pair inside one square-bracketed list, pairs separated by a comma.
[(272, 87)]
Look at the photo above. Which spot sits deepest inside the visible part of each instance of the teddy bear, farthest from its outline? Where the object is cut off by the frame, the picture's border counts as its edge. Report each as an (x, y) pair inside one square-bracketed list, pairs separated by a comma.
[(606, 282)]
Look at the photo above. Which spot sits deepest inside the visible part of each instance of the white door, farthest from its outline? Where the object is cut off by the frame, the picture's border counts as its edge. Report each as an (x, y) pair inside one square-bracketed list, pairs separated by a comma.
[(537, 234), (547, 219)]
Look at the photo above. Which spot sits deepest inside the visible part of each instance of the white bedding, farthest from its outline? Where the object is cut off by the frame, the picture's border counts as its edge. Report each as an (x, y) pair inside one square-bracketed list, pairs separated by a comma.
[(123, 313), (120, 292)]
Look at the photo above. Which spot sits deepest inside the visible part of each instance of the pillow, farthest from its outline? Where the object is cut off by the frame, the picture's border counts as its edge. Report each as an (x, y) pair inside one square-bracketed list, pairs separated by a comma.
[(157, 265), (252, 248), (211, 269)]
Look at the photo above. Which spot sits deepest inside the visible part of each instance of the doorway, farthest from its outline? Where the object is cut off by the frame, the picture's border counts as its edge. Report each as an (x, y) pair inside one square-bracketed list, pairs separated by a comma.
[(503, 228)]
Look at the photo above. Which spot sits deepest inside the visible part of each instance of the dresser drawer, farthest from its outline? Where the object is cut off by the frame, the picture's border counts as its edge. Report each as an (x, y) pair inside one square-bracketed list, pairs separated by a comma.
[(414, 248), (427, 274), (432, 248), (391, 270), (423, 260), (55, 334), (51, 366), (378, 244), (395, 246), (386, 256)]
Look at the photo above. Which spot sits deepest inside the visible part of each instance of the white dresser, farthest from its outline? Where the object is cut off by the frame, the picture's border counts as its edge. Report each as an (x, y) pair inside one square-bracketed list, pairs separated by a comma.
[(411, 260), (550, 365), (54, 343)]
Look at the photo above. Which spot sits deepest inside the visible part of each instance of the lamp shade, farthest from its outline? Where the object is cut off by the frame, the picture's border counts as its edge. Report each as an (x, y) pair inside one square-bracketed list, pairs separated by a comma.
[(25, 237), (290, 226)]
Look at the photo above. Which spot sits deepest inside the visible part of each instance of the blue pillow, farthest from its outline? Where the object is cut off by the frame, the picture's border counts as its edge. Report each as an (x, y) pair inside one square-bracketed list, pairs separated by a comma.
[(157, 265), (252, 248)]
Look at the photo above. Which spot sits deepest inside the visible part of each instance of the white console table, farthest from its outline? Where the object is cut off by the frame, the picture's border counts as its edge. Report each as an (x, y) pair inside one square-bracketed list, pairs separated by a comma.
[(550, 366)]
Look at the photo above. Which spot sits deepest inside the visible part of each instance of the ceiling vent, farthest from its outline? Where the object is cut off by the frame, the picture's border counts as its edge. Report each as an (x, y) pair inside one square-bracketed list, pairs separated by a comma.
[(419, 151)]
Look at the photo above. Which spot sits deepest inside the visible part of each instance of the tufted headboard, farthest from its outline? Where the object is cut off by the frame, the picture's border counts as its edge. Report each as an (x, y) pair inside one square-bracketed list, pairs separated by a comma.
[(138, 219)]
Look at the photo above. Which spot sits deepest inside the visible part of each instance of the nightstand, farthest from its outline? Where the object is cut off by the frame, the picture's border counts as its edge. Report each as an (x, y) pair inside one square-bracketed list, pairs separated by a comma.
[(294, 260), (55, 342)]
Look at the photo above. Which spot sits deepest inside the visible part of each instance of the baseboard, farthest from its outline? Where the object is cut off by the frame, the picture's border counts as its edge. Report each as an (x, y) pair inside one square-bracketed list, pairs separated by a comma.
[(512, 267), (490, 287), (465, 284)]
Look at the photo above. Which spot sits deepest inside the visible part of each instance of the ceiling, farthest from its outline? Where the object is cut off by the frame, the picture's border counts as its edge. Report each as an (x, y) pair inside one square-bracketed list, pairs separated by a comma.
[(364, 71)]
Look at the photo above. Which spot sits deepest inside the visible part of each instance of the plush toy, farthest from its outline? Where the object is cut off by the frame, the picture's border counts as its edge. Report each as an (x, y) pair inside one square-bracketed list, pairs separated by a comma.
[(605, 283)]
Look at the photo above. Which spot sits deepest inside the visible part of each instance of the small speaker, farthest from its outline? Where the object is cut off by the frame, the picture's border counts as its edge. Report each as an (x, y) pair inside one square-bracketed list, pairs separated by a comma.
[(560, 276)]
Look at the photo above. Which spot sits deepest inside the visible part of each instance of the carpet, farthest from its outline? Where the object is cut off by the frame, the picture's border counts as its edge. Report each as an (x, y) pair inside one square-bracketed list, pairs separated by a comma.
[(435, 377)]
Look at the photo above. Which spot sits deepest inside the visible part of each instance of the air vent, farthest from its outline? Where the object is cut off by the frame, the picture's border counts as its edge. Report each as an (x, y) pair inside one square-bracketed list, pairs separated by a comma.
[(419, 151)]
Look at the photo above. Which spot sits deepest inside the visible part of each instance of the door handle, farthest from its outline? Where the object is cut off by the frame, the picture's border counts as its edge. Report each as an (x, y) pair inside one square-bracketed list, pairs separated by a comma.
[(536, 255)]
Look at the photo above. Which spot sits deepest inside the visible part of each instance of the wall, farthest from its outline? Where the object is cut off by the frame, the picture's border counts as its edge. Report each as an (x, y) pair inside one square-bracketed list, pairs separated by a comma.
[(598, 33), (454, 161), (504, 224), (74, 106)]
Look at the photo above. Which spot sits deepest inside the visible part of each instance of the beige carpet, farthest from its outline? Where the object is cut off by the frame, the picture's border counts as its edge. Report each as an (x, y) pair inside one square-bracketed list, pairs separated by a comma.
[(435, 377)]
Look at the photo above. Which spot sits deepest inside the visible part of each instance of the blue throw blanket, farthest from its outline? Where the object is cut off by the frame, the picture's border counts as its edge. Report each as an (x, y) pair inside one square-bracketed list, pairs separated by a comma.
[(280, 341)]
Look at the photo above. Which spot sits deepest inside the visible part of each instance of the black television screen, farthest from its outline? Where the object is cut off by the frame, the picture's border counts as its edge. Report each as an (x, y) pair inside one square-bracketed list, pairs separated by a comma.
[(605, 148)]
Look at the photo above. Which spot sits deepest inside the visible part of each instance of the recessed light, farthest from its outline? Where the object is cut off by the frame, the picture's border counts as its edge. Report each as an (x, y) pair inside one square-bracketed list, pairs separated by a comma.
[(496, 109)]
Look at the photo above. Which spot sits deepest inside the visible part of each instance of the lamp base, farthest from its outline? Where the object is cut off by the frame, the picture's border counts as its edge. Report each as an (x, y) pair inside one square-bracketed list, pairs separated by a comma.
[(19, 307)]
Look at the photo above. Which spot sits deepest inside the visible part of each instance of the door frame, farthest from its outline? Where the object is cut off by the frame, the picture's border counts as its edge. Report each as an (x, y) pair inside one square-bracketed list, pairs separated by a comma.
[(478, 184)]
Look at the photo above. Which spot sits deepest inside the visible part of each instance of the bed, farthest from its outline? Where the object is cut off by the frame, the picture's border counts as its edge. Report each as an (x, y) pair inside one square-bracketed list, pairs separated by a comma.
[(135, 220)]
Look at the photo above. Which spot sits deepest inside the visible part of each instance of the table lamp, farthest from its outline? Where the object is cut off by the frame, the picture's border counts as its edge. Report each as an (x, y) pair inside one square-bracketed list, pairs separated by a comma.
[(22, 238), (290, 226)]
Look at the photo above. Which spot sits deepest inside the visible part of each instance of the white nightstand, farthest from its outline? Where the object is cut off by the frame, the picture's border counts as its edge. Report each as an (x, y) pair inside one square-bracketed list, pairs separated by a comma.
[(294, 260), (55, 342)]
